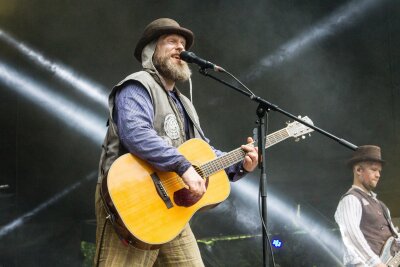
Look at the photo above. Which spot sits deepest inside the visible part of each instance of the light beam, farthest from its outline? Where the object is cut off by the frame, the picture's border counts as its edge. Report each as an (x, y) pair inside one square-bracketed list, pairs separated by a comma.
[(11, 226), (282, 211), (343, 17), (89, 88), (82, 120)]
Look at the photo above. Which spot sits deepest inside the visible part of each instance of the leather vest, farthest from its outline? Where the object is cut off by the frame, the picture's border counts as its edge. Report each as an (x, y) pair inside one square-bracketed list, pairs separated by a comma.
[(374, 225)]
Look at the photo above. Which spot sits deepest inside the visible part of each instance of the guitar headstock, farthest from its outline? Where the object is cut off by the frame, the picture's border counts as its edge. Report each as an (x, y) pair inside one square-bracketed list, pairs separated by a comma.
[(296, 129)]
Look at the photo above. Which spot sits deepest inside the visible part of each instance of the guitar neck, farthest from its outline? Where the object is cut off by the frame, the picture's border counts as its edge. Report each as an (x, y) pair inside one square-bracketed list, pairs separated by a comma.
[(238, 154)]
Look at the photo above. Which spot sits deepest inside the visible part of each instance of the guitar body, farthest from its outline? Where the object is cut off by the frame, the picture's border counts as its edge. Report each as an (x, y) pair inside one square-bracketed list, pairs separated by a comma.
[(149, 208), (386, 256)]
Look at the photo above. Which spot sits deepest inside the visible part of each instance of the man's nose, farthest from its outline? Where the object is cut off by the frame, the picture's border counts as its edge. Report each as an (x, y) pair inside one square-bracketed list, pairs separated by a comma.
[(180, 47)]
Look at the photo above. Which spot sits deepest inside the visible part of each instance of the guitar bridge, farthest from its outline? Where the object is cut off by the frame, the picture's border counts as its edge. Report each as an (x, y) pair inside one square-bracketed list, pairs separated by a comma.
[(161, 190)]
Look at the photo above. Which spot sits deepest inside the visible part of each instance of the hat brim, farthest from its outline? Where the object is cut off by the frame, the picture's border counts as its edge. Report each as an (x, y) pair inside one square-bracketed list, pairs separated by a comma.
[(187, 34), (353, 161)]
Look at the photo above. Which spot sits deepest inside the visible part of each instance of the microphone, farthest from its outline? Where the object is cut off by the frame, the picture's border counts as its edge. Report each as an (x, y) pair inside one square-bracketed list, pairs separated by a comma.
[(191, 57)]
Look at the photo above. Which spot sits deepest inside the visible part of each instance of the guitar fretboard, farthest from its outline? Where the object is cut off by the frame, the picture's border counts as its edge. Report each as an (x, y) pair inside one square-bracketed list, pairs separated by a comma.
[(230, 158)]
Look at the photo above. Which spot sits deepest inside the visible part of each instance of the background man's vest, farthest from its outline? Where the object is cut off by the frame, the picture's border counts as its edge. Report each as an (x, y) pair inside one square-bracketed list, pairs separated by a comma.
[(374, 225)]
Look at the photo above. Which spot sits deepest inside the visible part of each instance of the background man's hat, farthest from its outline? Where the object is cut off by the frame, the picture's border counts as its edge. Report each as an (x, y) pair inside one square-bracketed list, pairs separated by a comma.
[(159, 27), (366, 153)]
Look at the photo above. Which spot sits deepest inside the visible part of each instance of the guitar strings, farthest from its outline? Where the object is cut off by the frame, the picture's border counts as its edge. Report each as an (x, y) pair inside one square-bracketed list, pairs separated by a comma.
[(225, 160)]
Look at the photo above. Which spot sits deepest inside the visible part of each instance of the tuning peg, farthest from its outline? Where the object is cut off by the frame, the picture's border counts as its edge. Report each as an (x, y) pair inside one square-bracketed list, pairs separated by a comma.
[(297, 139), (309, 135), (303, 137)]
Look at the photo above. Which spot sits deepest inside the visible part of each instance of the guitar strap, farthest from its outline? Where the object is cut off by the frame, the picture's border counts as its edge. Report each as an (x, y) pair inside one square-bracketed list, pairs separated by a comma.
[(199, 130), (387, 216)]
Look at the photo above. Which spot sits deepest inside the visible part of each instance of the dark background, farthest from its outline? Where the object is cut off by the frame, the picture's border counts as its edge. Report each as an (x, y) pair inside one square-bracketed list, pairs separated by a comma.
[(340, 70)]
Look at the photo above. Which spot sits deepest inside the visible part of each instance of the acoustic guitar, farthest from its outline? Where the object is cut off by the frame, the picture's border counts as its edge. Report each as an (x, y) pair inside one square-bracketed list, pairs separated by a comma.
[(148, 208)]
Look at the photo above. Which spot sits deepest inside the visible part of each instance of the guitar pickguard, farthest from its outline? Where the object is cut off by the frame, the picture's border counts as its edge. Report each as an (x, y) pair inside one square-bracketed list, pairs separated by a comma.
[(183, 197)]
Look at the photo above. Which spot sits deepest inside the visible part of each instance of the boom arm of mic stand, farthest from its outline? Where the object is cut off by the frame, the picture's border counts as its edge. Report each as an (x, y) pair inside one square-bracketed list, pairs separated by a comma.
[(269, 106)]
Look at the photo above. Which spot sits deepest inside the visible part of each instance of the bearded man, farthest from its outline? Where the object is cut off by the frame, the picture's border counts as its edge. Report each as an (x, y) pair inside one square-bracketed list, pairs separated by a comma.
[(150, 118)]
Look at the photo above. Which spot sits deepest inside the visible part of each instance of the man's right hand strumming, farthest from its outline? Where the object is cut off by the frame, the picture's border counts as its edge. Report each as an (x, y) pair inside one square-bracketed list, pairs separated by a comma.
[(193, 180)]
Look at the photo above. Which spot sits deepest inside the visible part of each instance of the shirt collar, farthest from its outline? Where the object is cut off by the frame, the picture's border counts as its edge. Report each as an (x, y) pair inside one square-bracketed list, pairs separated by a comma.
[(372, 194)]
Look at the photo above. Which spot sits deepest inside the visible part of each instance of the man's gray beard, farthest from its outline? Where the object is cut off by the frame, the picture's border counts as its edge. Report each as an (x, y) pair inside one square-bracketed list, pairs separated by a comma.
[(172, 71)]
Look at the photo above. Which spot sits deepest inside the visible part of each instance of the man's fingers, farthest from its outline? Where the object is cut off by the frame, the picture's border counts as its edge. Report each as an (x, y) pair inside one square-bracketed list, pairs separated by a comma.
[(251, 157), (198, 187), (194, 181)]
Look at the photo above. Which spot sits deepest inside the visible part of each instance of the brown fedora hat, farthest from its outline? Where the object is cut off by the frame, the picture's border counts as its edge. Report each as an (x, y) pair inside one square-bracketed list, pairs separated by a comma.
[(366, 153), (159, 27)]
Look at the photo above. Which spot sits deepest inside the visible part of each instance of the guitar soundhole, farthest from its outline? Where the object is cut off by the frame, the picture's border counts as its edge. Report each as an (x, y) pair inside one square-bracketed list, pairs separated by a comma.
[(185, 198)]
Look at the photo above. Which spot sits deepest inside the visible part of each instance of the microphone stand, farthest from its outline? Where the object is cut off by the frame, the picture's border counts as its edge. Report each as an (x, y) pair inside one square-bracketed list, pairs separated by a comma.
[(263, 107)]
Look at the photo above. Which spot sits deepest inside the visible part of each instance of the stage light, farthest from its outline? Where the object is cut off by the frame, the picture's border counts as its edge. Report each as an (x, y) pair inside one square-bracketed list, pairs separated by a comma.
[(339, 20), (277, 243), (91, 89), (82, 120)]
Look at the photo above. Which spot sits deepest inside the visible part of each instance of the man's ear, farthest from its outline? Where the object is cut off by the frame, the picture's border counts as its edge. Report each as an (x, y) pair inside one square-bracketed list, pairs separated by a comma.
[(358, 168)]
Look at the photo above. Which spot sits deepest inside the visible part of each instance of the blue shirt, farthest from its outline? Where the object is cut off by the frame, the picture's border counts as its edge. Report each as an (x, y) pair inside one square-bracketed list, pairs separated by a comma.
[(134, 115)]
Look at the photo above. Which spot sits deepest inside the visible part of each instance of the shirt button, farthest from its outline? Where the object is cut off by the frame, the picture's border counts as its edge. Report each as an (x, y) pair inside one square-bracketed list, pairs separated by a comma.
[(381, 228)]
